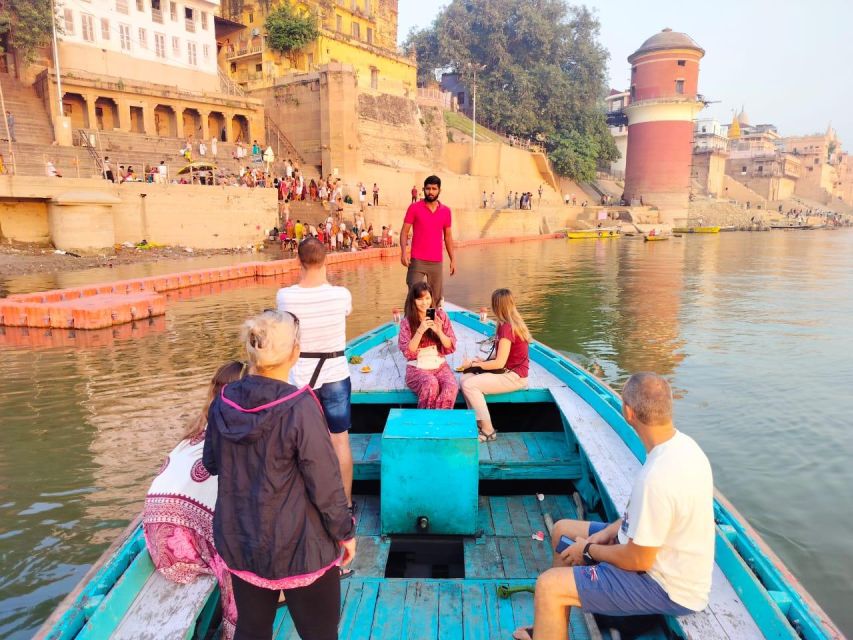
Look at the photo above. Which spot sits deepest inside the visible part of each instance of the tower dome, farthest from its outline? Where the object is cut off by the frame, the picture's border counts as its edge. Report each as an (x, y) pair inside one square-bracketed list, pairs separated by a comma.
[(665, 40)]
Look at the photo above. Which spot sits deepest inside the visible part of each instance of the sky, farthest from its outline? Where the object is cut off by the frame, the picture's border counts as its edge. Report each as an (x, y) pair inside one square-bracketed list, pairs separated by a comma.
[(788, 62)]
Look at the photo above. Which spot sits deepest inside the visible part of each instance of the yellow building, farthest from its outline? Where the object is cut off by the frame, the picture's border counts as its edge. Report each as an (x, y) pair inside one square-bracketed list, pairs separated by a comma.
[(359, 33)]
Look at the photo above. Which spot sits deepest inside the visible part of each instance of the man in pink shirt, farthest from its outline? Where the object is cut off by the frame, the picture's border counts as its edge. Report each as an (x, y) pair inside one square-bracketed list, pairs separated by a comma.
[(429, 220)]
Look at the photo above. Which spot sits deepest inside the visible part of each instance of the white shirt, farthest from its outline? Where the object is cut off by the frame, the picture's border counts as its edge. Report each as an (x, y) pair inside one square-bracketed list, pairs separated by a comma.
[(162, 169), (672, 507), (322, 313)]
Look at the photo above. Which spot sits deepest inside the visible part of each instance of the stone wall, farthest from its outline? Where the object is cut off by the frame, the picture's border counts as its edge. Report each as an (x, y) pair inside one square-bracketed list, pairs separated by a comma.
[(183, 215), (294, 105), (396, 131)]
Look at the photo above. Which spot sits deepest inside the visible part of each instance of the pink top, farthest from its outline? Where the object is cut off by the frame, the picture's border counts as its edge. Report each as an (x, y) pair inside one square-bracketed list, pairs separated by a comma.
[(518, 359), (405, 337), (427, 230)]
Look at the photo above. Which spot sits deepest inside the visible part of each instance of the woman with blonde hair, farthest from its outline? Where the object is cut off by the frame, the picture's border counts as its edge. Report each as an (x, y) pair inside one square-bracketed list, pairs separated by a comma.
[(177, 519), (506, 368), (281, 520)]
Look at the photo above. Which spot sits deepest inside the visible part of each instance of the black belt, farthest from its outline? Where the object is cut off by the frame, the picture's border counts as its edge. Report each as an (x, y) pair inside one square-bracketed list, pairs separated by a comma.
[(321, 359)]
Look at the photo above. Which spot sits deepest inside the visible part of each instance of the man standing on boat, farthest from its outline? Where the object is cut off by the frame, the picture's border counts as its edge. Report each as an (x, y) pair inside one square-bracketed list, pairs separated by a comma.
[(658, 558), (322, 311), (429, 220)]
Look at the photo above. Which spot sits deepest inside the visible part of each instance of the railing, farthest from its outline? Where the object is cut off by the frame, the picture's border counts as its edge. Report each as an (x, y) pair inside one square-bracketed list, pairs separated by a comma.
[(86, 143), (244, 51), (279, 142), (157, 15), (228, 86), (190, 24)]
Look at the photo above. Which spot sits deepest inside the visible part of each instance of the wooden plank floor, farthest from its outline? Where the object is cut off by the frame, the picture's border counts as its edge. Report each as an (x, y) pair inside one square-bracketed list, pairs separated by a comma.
[(513, 456)]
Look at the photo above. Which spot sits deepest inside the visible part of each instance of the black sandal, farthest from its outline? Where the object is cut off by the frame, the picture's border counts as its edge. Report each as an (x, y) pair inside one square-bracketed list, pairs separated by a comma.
[(528, 631), (346, 573)]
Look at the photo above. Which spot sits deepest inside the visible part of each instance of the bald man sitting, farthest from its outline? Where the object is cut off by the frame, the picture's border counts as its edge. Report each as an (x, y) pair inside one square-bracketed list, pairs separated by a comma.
[(656, 559)]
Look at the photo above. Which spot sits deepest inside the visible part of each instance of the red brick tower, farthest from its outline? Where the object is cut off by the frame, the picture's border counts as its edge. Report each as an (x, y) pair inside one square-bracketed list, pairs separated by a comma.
[(664, 103)]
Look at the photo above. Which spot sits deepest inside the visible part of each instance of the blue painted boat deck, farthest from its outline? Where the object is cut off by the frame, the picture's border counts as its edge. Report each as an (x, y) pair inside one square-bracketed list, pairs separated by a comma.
[(513, 456), (373, 606)]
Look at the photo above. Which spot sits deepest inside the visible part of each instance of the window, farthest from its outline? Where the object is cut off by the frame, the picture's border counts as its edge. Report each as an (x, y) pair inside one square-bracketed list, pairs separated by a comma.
[(251, 17), (374, 78), (189, 19), (191, 53), (69, 22), (817, 160), (121, 6), (761, 168), (310, 60), (176, 46), (105, 29), (204, 20), (233, 67), (160, 45), (173, 11), (88, 30), (743, 170), (259, 67), (356, 30), (140, 5), (124, 36), (369, 35), (206, 50), (633, 92), (460, 98), (156, 11), (143, 38), (679, 86), (339, 23), (681, 63)]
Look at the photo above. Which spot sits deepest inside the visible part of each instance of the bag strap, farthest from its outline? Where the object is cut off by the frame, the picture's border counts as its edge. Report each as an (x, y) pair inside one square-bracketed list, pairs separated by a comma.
[(321, 360)]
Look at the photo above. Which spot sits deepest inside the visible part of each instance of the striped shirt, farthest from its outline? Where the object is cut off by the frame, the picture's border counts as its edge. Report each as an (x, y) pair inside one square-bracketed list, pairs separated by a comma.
[(322, 313)]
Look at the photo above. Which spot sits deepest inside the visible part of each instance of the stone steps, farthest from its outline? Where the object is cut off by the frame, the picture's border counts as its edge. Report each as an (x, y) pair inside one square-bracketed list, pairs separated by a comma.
[(32, 122)]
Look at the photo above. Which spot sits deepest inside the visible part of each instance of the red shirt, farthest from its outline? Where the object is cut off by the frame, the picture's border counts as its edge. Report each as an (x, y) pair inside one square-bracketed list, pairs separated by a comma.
[(427, 230), (519, 354)]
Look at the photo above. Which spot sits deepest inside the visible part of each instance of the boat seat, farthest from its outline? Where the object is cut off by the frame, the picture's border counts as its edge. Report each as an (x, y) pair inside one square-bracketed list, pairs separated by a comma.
[(513, 456), (143, 605), (726, 616)]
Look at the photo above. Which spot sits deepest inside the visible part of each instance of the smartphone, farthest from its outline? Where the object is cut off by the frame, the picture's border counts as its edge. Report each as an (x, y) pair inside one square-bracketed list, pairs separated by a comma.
[(564, 543), (430, 313)]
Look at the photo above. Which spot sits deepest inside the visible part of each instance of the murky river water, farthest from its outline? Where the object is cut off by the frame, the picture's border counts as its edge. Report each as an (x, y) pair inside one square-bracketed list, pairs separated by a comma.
[(752, 329)]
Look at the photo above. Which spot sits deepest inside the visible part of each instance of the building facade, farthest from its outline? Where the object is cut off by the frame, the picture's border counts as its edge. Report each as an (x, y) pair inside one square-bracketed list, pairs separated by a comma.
[(663, 105), (825, 166), (360, 33)]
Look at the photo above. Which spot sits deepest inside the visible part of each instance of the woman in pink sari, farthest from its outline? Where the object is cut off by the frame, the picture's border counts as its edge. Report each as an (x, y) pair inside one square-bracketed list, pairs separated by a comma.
[(178, 516)]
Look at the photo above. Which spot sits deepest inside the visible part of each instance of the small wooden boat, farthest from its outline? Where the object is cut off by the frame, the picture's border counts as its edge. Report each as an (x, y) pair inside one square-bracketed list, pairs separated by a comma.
[(586, 234), (655, 238), (696, 230), (729, 228), (457, 556)]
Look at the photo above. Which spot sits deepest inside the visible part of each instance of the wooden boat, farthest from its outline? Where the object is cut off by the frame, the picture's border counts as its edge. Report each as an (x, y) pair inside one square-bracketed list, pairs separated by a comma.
[(586, 234), (655, 238), (564, 438), (696, 230), (797, 227)]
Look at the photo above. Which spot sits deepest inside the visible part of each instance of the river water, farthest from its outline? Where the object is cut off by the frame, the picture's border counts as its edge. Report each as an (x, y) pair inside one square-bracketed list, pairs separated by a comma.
[(753, 330)]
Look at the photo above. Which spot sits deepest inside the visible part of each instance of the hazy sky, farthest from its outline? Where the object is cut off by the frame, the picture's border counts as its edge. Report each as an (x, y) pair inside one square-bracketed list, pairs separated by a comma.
[(789, 62)]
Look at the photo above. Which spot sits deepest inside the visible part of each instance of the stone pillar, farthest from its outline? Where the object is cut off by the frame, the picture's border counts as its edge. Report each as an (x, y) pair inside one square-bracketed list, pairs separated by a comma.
[(124, 115), (82, 222), (148, 119), (338, 120), (90, 110), (205, 129)]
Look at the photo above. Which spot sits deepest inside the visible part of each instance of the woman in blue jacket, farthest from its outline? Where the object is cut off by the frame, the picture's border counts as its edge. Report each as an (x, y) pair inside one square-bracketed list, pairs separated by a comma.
[(281, 520)]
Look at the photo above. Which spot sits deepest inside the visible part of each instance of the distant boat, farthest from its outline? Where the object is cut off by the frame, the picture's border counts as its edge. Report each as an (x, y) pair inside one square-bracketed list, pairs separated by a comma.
[(592, 233), (797, 227), (729, 227), (655, 238), (696, 230)]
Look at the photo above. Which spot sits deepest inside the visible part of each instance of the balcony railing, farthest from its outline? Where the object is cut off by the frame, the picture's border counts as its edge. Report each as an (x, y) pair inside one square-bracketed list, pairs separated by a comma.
[(157, 15), (245, 51), (190, 25)]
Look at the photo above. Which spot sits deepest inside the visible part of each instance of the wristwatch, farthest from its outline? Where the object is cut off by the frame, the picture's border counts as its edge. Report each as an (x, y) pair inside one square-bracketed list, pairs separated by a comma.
[(588, 559)]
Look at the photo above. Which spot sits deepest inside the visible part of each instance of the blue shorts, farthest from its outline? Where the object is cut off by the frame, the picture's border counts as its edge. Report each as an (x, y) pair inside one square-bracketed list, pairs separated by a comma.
[(337, 404), (611, 591)]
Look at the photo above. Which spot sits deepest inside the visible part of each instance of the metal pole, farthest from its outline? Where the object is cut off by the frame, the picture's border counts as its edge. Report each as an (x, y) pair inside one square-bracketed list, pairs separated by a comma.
[(56, 58)]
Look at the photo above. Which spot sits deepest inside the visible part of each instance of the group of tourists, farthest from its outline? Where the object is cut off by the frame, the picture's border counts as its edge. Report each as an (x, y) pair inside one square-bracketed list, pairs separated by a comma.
[(334, 234), (259, 491)]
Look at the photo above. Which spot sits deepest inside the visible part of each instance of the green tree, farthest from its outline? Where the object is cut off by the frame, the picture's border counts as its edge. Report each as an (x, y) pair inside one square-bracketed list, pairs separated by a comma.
[(26, 23), (541, 72), (289, 29)]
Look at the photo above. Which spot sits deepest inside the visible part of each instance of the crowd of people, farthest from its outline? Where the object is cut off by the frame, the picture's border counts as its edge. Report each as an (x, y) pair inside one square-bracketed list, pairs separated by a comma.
[(259, 490)]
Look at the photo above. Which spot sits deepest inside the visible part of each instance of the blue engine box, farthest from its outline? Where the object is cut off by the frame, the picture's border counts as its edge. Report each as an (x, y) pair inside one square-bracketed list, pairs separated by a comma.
[(430, 468)]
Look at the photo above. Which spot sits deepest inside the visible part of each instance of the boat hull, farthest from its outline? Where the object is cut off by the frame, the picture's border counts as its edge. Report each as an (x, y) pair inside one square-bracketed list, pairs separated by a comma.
[(592, 234)]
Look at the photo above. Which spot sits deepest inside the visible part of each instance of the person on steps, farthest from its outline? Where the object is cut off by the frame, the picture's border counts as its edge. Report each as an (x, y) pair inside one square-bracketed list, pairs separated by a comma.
[(281, 520)]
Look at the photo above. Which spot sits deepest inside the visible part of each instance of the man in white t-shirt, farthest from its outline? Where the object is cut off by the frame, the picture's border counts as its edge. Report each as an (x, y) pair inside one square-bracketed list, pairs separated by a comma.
[(322, 310), (656, 559)]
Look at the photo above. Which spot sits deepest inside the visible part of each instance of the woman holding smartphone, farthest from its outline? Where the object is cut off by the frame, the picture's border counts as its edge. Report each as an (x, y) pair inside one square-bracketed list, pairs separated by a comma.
[(504, 372), (426, 336)]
